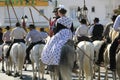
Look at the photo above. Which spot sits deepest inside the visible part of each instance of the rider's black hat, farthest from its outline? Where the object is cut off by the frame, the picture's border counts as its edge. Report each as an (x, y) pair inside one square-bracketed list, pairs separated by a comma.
[(32, 26), (7, 27), (55, 10)]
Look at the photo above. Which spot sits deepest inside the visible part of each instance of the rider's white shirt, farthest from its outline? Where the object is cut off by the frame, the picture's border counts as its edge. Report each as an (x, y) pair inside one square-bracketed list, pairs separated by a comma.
[(18, 33), (116, 25), (82, 30)]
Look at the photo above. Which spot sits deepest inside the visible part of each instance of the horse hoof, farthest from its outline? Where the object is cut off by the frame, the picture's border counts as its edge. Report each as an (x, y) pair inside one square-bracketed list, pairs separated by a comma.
[(42, 79), (34, 78), (3, 70), (25, 69), (21, 77), (15, 75), (9, 74), (47, 72)]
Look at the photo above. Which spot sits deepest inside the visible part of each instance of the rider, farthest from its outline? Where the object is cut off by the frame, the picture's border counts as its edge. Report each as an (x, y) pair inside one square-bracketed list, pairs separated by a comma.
[(104, 45), (82, 31), (44, 34), (114, 45), (17, 35), (35, 38), (62, 33), (6, 35), (52, 23), (96, 31)]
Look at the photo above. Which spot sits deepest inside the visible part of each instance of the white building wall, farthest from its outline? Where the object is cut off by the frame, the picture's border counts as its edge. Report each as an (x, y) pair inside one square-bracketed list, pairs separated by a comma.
[(103, 10)]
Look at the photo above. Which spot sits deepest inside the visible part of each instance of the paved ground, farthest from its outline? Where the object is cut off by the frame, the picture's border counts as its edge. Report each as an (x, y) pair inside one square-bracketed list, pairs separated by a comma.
[(27, 75)]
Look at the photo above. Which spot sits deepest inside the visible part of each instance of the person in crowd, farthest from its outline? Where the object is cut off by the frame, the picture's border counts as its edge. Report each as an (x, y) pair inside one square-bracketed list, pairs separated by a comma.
[(6, 35), (43, 34), (34, 37), (96, 31), (82, 31), (62, 33), (108, 40), (114, 45), (52, 23), (1, 35), (109, 26), (17, 35)]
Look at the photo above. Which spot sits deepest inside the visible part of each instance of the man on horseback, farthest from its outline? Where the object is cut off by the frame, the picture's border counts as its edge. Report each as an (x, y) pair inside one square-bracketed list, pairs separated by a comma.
[(108, 40), (35, 38), (6, 35), (82, 31), (43, 34), (96, 31), (17, 35), (114, 45)]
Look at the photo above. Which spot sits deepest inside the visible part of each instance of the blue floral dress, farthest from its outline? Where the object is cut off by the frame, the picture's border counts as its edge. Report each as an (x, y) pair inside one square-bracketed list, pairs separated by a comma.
[(52, 50)]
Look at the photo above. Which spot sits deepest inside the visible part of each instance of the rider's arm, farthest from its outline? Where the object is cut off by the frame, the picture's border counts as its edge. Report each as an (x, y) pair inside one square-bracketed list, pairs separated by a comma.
[(27, 37), (116, 25)]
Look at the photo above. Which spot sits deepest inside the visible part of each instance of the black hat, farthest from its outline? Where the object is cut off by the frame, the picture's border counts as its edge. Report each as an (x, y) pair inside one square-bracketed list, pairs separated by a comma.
[(31, 26), (96, 19), (83, 21), (114, 17), (55, 10), (17, 24), (7, 27)]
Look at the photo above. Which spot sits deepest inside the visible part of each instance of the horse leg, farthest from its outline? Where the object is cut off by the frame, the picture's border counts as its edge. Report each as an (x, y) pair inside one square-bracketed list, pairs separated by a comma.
[(34, 75), (42, 69), (114, 75), (98, 72), (3, 70), (15, 70), (65, 72), (38, 68), (106, 73)]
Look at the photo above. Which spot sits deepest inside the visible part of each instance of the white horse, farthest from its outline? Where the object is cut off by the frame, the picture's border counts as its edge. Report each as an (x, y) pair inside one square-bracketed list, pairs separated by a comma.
[(8, 61), (118, 64), (18, 53), (85, 51), (35, 58)]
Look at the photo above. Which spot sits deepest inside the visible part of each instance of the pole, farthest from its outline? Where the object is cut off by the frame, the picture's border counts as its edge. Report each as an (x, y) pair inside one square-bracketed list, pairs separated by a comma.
[(14, 11), (41, 13), (8, 14), (31, 15), (55, 3)]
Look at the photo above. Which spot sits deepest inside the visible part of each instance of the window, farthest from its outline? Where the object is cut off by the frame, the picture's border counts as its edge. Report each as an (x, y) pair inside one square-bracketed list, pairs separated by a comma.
[(93, 9)]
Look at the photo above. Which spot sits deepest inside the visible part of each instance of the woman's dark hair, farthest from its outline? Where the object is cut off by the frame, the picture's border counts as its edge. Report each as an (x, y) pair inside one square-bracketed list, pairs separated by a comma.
[(62, 10)]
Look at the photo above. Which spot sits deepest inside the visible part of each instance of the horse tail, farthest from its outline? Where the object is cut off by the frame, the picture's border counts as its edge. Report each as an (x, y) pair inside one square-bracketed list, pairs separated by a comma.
[(88, 61), (21, 54)]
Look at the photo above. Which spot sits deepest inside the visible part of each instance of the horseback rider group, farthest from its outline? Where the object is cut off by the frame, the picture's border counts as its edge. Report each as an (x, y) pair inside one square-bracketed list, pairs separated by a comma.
[(18, 34), (62, 29)]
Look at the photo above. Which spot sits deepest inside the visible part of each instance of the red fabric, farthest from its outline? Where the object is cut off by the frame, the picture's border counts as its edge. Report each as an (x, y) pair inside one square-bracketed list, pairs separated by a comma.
[(118, 41), (0, 59), (51, 25)]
